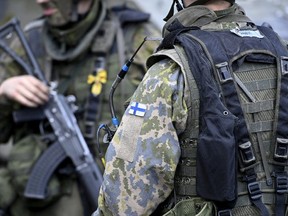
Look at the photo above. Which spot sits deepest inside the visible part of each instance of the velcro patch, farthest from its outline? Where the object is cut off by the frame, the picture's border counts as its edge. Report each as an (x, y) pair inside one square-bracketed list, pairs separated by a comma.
[(137, 109)]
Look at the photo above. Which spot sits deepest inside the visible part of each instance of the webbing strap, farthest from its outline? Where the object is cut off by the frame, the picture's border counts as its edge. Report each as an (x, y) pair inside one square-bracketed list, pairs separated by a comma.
[(281, 144), (281, 188)]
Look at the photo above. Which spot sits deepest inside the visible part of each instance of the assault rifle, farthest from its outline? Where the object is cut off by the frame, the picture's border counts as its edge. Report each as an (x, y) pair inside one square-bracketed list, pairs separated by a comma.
[(69, 143)]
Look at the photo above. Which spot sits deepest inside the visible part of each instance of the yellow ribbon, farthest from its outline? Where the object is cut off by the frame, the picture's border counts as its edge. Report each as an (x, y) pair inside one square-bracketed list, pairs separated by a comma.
[(97, 80)]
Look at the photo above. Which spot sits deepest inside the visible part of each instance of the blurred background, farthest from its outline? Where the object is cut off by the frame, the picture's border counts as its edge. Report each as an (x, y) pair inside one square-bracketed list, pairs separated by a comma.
[(274, 12)]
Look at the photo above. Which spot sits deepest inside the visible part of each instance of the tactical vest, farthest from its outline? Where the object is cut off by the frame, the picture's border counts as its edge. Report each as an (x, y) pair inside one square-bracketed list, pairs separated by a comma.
[(234, 148), (103, 53)]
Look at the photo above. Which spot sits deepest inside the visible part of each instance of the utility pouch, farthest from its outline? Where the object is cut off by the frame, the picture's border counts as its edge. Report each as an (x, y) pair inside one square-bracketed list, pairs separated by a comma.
[(195, 206), (216, 171)]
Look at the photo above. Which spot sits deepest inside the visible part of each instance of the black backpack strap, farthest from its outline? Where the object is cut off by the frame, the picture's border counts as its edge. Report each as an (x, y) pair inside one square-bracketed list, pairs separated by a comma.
[(175, 28)]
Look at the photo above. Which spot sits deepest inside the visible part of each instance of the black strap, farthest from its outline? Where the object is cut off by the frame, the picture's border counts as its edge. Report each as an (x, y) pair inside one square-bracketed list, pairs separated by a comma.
[(175, 28), (281, 189)]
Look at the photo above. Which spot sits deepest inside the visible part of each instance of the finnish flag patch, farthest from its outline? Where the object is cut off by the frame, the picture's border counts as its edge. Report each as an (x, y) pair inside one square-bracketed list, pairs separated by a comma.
[(137, 109)]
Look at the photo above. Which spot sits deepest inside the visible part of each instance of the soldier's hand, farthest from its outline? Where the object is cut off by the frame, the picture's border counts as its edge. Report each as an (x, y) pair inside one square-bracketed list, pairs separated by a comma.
[(26, 90)]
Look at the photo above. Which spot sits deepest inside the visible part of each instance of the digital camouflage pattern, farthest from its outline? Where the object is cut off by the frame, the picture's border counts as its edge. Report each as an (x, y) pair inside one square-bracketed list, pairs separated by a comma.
[(72, 78), (141, 159)]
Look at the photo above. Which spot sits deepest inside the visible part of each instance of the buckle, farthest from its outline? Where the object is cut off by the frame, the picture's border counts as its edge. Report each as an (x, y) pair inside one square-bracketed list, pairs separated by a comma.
[(223, 72), (281, 149), (90, 129), (226, 212), (281, 184), (284, 65), (246, 153), (254, 190)]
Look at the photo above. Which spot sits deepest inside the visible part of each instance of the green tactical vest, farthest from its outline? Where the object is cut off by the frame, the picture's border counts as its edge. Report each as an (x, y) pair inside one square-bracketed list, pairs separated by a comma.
[(256, 86)]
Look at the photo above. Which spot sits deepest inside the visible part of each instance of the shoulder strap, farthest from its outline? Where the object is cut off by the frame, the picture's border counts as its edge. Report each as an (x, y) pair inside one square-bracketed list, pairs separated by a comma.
[(281, 142)]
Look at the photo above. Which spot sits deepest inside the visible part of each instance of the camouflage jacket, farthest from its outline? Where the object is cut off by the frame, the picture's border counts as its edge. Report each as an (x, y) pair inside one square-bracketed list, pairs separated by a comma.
[(72, 78), (144, 153)]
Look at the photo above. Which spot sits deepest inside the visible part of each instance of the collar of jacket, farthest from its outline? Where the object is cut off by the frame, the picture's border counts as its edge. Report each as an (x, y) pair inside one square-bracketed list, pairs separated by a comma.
[(69, 44), (200, 16)]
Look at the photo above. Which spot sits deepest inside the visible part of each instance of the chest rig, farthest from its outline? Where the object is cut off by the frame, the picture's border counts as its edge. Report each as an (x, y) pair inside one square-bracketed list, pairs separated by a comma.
[(234, 150)]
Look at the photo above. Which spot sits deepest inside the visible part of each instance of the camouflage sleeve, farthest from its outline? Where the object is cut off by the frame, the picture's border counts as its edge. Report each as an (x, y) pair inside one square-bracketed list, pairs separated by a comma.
[(144, 153), (8, 68)]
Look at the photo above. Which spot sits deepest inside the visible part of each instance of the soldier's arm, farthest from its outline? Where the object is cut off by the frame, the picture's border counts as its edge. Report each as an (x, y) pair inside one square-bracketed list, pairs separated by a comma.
[(144, 153)]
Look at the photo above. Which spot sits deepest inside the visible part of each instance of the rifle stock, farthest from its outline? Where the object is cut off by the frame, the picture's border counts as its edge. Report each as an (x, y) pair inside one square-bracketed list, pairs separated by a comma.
[(70, 141)]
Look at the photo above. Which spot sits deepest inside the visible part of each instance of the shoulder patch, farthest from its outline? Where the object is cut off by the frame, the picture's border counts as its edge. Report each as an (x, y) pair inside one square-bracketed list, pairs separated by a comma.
[(137, 109)]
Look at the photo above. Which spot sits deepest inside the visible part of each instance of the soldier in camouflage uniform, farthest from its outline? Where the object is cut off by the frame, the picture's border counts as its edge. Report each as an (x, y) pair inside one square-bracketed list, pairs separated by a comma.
[(82, 45), (151, 164)]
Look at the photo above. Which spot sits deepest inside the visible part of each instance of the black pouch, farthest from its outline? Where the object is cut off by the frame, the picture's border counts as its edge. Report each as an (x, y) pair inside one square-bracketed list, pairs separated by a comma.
[(217, 159)]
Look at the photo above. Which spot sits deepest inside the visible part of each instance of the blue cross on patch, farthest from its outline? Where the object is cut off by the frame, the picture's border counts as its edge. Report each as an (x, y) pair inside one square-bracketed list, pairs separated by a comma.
[(137, 109)]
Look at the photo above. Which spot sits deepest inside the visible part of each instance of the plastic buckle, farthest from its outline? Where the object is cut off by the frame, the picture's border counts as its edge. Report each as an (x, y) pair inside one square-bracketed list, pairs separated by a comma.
[(281, 184), (223, 72), (246, 153), (90, 130), (281, 149), (226, 212), (254, 190), (284, 65)]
